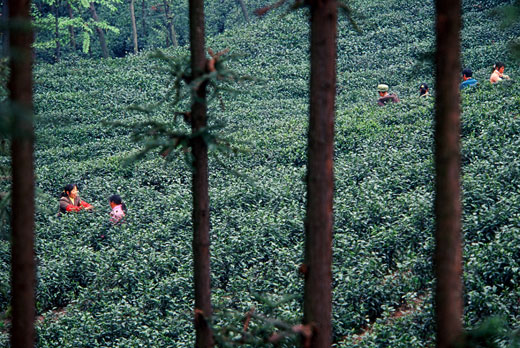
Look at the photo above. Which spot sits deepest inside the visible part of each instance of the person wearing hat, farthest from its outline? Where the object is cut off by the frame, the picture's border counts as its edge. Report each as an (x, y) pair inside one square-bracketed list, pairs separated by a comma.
[(384, 96), (424, 90), (468, 80)]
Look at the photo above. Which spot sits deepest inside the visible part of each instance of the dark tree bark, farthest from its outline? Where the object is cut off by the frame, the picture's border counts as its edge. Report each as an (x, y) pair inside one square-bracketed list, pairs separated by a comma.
[(448, 235), (134, 26), (57, 52), (244, 10), (101, 34), (201, 255), (23, 276), (5, 35), (320, 178), (169, 24), (71, 28)]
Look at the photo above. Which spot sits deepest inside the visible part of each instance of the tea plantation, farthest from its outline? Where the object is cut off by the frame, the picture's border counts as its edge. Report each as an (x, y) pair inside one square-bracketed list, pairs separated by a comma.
[(131, 285)]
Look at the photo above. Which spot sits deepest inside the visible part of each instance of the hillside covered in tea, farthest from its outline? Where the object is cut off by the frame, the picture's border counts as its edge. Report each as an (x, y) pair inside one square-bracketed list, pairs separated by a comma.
[(131, 285)]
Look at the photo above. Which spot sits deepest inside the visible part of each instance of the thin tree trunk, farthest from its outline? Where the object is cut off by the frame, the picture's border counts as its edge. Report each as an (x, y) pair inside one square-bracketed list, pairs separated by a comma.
[(320, 177), (143, 17), (71, 29), (173, 33), (169, 23), (244, 10), (165, 22), (201, 254), (23, 275), (448, 238), (101, 35), (134, 27), (57, 53)]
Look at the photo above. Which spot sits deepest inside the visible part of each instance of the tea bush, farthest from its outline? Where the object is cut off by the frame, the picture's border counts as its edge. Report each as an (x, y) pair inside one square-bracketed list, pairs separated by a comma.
[(131, 285)]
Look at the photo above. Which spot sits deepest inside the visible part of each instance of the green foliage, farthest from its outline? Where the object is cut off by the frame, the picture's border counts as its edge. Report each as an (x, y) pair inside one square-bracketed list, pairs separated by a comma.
[(115, 20), (232, 328), (5, 127), (47, 23), (44, 19), (131, 285), (510, 16), (86, 40), (181, 89), (492, 332)]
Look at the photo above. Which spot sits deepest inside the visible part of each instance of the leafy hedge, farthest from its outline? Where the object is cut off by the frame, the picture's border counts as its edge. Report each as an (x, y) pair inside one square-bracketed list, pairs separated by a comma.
[(131, 285)]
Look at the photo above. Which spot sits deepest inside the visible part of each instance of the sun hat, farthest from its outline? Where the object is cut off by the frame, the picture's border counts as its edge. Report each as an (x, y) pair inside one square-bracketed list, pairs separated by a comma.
[(382, 87)]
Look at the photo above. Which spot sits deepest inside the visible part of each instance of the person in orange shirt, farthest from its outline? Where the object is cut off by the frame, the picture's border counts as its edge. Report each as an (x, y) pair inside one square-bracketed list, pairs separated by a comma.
[(70, 201), (498, 73)]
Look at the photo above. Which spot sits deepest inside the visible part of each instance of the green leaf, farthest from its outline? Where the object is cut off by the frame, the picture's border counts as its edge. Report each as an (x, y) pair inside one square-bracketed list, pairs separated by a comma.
[(86, 42)]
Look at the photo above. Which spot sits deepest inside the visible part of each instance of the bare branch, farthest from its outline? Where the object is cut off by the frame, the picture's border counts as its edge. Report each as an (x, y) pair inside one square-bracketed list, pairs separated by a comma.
[(248, 318), (210, 64), (263, 10)]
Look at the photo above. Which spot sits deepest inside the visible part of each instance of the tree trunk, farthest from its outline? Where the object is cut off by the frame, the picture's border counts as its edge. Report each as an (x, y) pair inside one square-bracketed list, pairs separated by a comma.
[(320, 178), (23, 275), (71, 29), (134, 27), (244, 10), (169, 23), (57, 52), (5, 34), (448, 238), (201, 255), (175, 42), (101, 35), (165, 22), (143, 17)]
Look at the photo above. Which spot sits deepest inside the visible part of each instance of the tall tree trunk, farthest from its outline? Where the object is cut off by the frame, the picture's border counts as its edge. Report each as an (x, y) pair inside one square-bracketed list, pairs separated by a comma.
[(165, 22), (448, 239), (5, 34), (71, 28), (244, 10), (201, 255), (23, 276), (175, 42), (101, 35), (169, 23), (57, 52), (134, 27), (143, 17), (320, 177)]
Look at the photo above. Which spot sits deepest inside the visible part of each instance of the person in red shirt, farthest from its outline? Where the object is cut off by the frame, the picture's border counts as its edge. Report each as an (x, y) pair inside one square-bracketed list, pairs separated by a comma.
[(70, 201)]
